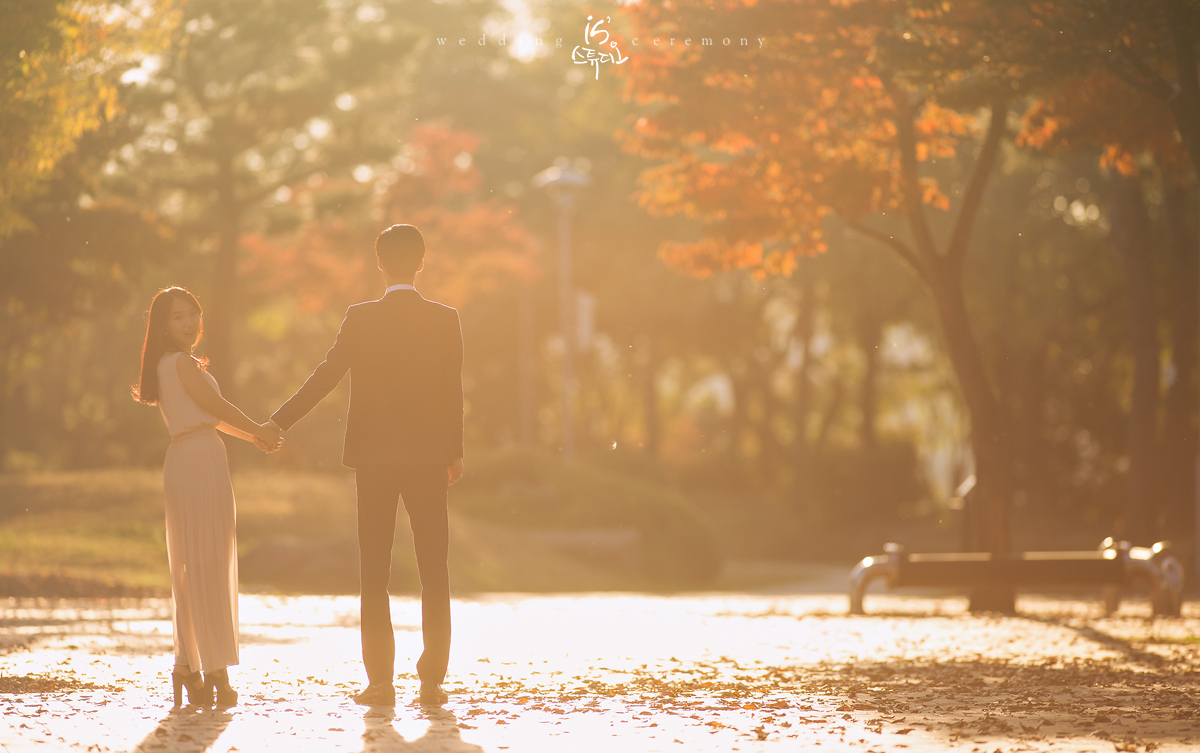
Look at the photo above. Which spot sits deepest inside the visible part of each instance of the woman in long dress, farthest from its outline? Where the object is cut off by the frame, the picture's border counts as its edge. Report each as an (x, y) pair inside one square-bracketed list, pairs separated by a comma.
[(201, 534)]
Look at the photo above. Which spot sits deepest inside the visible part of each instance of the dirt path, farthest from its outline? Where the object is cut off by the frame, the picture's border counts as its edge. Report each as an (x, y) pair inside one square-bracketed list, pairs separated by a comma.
[(622, 672)]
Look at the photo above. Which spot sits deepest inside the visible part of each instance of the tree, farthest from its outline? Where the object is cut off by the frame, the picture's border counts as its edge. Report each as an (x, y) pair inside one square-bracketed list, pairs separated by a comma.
[(836, 117), (1147, 47), (66, 259), (255, 98), (59, 64), (1122, 79), (479, 244)]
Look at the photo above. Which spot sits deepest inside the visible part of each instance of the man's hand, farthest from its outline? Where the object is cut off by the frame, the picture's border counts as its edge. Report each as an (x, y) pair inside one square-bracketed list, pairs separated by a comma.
[(454, 471), (273, 446), (268, 448)]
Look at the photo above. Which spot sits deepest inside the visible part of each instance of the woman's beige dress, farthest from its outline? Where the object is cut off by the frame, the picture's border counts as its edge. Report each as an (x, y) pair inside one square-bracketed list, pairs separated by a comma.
[(201, 531)]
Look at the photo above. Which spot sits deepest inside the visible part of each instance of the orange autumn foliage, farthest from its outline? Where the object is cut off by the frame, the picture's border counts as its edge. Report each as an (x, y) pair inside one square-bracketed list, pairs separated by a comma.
[(1100, 111), (473, 245), (1104, 76), (762, 143)]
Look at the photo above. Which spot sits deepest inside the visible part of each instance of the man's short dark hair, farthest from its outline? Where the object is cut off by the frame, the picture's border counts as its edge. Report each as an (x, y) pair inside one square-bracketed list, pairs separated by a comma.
[(400, 250)]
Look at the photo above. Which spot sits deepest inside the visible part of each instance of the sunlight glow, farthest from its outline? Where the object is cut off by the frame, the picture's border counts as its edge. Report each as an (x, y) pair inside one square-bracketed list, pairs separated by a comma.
[(523, 30), (140, 76)]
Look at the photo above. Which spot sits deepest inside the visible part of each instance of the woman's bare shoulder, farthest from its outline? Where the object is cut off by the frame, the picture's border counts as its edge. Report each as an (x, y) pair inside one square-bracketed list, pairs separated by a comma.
[(186, 363), (170, 358)]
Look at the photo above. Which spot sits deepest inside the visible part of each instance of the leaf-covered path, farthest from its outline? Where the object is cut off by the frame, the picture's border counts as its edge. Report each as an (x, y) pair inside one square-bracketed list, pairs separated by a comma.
[(621, 672)]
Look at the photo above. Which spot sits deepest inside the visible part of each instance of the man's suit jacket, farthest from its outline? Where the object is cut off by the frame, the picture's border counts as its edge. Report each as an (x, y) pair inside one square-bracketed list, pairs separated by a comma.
[(404, 355)]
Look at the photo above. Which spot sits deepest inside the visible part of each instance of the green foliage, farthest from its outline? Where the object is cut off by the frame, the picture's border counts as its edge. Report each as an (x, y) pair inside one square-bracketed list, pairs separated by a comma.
[(534, 490), (864, 487)]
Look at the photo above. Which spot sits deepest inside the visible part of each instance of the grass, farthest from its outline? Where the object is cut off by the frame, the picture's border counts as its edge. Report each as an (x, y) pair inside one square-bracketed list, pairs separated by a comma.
[(101, 523), (676, 547), (1179, 640), (108, 524)]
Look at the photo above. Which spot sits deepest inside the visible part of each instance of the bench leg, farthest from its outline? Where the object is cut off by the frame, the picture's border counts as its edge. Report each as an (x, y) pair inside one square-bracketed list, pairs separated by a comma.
[(1112, 600), (862, 575), (1151, 574), (1172, 575)]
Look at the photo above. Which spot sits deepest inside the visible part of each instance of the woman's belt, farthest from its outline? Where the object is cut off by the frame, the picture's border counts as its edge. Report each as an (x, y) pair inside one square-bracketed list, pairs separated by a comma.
[(197, 432)]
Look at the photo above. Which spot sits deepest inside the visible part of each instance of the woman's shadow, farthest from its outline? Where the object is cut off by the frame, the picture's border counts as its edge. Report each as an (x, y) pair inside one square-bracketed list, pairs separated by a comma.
[(185, 731), (442, 736)]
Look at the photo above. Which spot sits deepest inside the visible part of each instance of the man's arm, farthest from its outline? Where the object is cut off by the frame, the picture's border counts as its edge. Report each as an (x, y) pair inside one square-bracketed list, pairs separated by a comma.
[(324, 378), (454, 407)]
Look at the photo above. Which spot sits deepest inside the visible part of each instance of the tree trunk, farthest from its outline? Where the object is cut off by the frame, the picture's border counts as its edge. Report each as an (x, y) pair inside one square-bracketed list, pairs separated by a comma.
[(774, 455), (739, 422), (1179, 437), (990, 444), (803, 390), (829, 416), (989, 429), (870, 334), (221, 313), (526, 368), (942, 274), (1131, 236), (1185, 105), (650, 396)]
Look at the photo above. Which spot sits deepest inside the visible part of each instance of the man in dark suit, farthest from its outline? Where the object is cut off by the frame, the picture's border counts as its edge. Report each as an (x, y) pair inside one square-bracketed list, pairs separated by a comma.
[(404, 439)]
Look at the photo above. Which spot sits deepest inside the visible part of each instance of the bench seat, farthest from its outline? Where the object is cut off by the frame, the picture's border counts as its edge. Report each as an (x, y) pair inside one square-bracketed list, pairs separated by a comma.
[(1114, 565)]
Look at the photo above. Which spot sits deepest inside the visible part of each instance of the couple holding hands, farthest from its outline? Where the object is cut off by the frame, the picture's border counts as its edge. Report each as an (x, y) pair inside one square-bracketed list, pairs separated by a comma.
[(404, 440)]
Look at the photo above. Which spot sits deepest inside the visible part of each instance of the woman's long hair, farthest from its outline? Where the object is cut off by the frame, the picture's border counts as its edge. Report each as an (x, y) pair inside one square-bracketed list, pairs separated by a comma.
[(158, 342)]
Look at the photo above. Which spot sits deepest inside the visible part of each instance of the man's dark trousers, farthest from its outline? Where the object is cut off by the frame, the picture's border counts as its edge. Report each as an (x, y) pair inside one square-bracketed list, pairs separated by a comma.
[(423, 489)]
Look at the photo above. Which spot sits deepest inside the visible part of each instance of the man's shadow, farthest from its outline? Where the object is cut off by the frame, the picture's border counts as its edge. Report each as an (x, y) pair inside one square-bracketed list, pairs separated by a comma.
[(185, 730), (442, 736)]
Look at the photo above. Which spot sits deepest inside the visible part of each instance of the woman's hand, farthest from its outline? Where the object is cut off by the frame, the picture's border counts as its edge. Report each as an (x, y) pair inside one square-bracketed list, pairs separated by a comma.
[(267, 448), (269, 437)]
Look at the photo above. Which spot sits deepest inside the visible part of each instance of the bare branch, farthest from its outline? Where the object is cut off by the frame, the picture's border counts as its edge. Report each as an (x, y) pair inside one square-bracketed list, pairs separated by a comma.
[(1147, 79), (907, 138), (973, 195), (910, 257)]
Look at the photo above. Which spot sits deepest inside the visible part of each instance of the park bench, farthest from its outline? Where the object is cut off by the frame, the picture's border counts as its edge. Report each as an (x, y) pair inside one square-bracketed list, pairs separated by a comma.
[(1114, 565)]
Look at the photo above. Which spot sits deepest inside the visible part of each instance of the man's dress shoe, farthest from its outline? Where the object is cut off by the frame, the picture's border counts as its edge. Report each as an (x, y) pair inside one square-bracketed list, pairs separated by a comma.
[(378, 694), (432, 694)]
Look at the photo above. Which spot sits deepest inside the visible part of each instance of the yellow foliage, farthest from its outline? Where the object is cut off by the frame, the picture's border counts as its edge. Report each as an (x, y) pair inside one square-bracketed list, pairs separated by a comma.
[(67, 87)]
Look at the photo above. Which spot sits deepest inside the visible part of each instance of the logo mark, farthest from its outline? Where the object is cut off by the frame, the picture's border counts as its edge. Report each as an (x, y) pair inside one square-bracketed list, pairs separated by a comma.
[(593, 55)]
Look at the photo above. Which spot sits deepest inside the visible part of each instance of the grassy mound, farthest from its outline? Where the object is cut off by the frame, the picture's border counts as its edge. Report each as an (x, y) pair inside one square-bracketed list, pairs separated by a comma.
[(517, 523), (669, 544)]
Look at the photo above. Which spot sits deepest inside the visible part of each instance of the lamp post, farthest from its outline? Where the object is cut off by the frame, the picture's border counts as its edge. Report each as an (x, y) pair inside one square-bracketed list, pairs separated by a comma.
[(525, 367), (560, 183)]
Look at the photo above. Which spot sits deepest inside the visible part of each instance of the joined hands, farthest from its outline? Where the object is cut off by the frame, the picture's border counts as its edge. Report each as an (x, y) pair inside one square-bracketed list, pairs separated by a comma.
[(272, 440)]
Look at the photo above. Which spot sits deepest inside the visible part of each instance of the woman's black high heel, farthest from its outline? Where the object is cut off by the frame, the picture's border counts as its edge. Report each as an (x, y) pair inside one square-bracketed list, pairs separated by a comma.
[(199, 693), (218, 684)]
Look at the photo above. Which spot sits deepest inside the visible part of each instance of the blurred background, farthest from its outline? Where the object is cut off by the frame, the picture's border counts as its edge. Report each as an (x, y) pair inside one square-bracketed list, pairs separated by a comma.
[(734, 309)]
